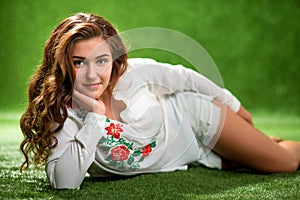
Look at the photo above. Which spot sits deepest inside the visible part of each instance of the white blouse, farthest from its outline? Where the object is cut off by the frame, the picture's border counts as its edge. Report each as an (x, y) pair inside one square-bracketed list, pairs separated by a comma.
[(169, 122)]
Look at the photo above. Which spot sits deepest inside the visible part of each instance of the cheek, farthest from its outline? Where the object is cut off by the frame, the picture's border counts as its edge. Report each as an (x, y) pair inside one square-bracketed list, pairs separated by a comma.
[(106, 75), (78, 78), (80, 74), (76, 73)]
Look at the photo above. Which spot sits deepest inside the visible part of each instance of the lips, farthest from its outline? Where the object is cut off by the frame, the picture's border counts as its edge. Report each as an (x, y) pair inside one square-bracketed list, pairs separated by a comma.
[(92, 86)]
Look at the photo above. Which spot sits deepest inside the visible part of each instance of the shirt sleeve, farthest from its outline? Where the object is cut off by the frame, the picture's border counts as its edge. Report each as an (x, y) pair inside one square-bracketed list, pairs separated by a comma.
[(164, 78), (70, 159), (119, 147)]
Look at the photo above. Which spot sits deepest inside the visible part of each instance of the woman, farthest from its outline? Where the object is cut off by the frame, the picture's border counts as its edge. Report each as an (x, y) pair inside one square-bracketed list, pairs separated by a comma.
[(93, 110)]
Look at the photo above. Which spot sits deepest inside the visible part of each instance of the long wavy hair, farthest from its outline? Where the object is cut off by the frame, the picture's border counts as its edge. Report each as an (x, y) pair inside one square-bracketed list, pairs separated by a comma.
[(50, 88)]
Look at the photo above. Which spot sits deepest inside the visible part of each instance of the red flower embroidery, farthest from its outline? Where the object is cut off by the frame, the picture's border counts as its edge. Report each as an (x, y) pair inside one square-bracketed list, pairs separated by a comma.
[(119, 153), (146, 150), (114, 130)]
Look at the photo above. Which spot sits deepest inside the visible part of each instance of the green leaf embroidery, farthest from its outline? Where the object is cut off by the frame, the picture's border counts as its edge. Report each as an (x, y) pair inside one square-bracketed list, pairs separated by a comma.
[(130, 160), (137, 153), (141, 159), (113, 163), (108, 159), (153, 144)]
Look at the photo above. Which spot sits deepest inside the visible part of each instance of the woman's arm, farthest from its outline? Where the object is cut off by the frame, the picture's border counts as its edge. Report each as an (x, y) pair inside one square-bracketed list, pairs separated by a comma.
[(118, 145), (75, 152), (165, 78)]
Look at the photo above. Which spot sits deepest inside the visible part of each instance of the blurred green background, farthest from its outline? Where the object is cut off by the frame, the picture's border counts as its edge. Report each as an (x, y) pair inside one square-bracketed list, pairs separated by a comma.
[(255, 44)]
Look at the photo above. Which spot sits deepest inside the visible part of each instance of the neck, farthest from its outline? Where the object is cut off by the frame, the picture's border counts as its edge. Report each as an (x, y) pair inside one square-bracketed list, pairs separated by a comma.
[(106, 98)]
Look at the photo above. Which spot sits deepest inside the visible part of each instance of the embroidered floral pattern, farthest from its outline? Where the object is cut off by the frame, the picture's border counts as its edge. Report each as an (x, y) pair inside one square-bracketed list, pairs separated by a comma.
[(114, 130), (146, 150), (121, 154), (81, 113)]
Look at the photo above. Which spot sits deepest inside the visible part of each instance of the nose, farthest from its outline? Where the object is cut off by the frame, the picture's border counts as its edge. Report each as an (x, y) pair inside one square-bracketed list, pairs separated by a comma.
[(91, 72)]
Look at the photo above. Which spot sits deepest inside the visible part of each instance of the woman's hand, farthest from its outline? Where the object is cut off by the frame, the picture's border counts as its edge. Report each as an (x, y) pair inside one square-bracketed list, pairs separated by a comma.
[(245, 115), (88, 103)]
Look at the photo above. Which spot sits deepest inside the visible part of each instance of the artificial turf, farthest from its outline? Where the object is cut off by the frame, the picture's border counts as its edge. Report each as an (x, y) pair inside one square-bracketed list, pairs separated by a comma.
[(196, 183)]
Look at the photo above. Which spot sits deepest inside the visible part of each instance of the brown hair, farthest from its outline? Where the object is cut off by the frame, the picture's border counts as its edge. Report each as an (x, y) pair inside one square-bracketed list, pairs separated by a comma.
[(50, 88)]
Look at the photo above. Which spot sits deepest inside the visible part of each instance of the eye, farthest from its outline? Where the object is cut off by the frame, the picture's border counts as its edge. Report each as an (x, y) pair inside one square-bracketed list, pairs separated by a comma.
[(78, 63), (102, 61)]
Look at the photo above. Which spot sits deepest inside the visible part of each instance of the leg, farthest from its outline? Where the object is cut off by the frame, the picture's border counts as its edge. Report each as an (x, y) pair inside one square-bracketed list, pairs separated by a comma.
[(231, 165), (242, 143)]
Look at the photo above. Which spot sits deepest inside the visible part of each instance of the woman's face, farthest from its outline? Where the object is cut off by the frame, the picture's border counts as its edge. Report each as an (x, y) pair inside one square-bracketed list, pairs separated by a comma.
[(93, 62)]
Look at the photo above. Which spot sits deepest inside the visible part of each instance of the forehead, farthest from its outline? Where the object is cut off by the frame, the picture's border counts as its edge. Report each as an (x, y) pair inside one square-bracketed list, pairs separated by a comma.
[(91, 47)]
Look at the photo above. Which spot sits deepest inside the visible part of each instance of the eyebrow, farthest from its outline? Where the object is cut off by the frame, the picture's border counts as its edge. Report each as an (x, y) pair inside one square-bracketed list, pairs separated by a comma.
[(80, 57)]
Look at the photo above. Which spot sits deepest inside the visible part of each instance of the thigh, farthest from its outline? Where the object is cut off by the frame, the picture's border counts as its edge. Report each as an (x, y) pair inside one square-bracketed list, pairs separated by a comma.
[(241, 142)]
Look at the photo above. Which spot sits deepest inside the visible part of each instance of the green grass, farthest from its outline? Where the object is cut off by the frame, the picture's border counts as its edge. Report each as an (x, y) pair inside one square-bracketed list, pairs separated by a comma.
[(196, 183)]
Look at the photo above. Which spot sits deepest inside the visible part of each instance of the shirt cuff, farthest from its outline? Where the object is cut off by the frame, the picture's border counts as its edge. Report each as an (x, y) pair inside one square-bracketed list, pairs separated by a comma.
[(236, 105), (91, 131)]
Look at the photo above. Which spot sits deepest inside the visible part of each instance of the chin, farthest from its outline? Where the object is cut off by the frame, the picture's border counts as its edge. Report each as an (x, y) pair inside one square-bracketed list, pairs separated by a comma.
[(92, 95), (98, 95)]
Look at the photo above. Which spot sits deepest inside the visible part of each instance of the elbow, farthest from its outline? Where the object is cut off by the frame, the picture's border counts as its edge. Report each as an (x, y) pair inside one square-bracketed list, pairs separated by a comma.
[(62, 182), (61, 179), (61, 187)]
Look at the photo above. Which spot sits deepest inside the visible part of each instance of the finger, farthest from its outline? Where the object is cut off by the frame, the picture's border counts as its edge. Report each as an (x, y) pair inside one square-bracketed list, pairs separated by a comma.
[(84, 101), (276, 139), (88, 103)]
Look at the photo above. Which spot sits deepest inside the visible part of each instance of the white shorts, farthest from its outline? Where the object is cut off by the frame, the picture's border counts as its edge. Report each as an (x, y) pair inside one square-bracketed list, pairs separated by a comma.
[(205, 118)]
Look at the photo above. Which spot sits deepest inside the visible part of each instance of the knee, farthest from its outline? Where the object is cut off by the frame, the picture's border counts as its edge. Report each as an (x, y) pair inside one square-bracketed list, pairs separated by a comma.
[(290, 164), (290, 161), (293, 165)]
